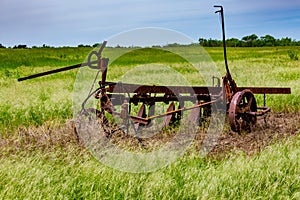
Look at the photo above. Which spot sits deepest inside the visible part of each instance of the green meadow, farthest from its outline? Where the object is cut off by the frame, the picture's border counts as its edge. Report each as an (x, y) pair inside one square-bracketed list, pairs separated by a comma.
[(40, 159)]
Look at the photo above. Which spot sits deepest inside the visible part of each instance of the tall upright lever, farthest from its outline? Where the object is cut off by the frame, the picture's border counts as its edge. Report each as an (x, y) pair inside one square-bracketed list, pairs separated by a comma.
[(221, 11), (228, 75)]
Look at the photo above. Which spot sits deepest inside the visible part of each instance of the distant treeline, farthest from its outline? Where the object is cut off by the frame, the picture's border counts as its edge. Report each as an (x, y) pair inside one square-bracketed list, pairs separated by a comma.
[(24, 46), (247, 41), (250, 41)]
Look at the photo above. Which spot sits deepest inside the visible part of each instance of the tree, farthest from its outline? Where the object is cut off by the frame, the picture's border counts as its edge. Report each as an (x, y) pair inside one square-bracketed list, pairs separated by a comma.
[(96, 45), (20, 46), (1, 46), (268, 40), (45, 46), (285, 41), (250, 40), (202, 41), (82, 45), (233, 42)]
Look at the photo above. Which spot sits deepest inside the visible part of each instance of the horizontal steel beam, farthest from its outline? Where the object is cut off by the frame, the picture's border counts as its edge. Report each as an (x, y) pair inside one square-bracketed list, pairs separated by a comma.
[(144, 89), (267, 90)]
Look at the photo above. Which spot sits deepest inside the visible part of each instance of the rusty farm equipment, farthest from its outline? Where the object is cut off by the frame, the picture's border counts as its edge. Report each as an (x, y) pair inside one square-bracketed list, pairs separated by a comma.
[(239, 102)]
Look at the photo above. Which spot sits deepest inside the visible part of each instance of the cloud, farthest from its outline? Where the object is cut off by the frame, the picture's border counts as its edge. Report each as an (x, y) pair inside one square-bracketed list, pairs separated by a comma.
[(71, 22), (259, 6)]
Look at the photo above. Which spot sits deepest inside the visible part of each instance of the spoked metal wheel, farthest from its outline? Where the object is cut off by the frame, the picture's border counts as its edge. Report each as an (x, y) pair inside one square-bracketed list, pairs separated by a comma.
[(242, 111)]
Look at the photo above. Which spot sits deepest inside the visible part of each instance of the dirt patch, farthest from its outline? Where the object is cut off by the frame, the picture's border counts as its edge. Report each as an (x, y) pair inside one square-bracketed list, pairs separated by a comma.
[(274, 128)]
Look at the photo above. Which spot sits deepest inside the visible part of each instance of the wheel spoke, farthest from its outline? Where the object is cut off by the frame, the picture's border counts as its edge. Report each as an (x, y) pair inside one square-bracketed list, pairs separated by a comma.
[(248, 106)]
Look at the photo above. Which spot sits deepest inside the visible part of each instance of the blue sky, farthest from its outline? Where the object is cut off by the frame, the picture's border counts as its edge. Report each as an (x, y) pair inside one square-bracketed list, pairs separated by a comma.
[(73, 22)]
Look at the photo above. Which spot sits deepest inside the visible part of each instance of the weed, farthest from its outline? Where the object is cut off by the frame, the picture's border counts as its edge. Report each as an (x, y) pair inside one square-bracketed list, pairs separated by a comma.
[(293, 55)]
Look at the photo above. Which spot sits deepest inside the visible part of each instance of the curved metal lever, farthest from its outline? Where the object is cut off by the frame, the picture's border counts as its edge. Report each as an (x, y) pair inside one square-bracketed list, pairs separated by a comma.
[(221, 9), (91, 64)]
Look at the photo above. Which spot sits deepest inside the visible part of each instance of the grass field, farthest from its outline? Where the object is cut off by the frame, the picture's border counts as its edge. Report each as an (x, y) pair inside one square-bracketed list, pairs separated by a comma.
[(40, 158)]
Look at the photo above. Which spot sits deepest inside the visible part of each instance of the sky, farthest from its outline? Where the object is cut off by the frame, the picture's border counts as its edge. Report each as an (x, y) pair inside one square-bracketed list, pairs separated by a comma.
[(74, 22)]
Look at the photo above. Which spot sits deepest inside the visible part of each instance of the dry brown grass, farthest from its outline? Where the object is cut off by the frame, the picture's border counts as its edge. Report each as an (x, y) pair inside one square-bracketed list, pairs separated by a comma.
[(52, 136)]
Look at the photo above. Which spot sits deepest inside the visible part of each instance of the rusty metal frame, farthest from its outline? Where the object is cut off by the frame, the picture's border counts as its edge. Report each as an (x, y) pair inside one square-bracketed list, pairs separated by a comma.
[(111, 94)]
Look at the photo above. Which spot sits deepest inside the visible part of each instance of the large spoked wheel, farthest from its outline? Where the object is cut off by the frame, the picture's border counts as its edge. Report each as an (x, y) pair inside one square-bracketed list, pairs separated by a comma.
[(242, 111)]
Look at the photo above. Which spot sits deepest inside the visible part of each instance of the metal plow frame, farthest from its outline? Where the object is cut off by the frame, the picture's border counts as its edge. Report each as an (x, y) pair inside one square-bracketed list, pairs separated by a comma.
[(242, 109)]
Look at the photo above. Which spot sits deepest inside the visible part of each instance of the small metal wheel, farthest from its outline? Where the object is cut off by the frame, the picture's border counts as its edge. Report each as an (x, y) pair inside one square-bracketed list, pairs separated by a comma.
[(242, 111)]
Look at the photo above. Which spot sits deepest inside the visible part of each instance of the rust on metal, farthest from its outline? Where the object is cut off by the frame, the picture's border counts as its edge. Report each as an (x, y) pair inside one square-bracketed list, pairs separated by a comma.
[(267, 90), (136, 88), (169, 117), (242, 110)]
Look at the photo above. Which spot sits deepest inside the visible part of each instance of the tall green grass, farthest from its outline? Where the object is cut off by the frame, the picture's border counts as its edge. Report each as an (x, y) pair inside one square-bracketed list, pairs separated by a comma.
[(14, 58), (69, 172), (272, 174)]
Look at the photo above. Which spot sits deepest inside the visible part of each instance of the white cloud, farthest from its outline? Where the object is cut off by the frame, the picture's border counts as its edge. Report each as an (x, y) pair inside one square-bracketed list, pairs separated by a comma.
[(75, 21)]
